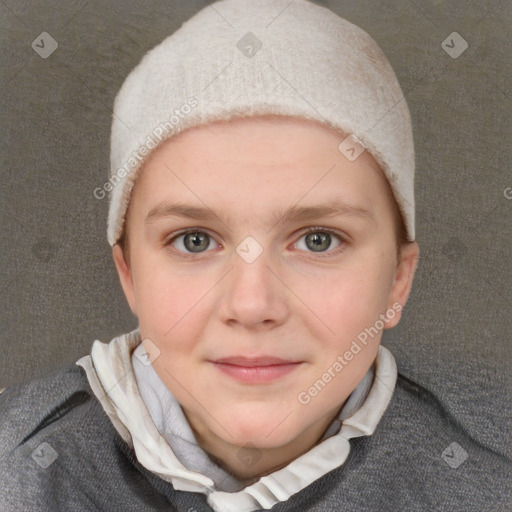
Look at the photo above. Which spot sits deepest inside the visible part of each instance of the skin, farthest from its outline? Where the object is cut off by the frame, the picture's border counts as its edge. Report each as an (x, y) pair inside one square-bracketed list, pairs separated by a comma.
[(291, 302)]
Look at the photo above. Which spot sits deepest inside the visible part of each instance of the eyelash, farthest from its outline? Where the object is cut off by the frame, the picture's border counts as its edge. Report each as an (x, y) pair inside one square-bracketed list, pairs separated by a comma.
[(331, 253)]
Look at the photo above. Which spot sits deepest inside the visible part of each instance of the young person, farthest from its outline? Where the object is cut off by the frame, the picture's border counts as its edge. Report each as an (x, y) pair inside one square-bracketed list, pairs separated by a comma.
[(262, 225)]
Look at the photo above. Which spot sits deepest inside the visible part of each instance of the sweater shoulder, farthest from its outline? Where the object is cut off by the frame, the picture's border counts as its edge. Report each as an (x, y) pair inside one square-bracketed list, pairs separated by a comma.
[(60, 451), (421, 453), (418, 414), (28, 408), (418, 458)]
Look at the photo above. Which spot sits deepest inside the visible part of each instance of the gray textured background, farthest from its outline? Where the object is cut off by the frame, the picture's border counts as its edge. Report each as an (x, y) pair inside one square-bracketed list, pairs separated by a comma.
[(60, 291)]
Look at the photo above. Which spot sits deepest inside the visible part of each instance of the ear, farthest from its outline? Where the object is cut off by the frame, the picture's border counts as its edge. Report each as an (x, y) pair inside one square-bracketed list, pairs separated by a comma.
[(125, 276), (403, 282)]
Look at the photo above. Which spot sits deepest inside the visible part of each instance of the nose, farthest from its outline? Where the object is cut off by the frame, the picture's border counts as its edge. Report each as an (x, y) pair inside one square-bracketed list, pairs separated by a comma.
[(255, 295)]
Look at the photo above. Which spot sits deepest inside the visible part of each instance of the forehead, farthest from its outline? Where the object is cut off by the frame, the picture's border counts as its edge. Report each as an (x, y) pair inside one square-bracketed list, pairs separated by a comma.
[(271, 138), (270, 160)]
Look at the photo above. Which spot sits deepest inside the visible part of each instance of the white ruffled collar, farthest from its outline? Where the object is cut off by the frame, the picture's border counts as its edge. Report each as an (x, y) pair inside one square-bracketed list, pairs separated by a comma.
[(142, 409)]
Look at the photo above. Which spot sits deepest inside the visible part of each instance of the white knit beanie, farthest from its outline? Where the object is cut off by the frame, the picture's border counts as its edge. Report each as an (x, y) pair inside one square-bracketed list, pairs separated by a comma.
[(238, 58)]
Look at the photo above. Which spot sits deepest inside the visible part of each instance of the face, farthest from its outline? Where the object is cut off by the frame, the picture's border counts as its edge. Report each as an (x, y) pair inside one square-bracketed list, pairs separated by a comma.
[(290, 255)]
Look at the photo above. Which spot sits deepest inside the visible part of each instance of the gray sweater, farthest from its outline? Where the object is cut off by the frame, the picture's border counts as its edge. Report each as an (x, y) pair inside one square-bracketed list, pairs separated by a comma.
[(60, 452)]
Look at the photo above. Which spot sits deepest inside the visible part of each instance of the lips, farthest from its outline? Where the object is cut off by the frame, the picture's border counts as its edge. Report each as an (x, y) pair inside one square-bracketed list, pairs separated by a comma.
[(250, 362), (255, 370)]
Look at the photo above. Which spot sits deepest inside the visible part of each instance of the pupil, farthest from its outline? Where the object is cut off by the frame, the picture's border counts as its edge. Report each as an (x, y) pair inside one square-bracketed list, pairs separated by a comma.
[(198, 240), (320, 241)]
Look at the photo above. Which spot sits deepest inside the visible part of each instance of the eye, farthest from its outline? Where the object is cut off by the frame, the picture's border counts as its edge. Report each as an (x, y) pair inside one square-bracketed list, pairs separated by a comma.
[(319, 240), (191, 241), (316, 239)]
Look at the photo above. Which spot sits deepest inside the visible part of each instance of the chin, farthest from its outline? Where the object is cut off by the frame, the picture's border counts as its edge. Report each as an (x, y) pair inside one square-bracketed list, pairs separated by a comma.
[(263, 432)]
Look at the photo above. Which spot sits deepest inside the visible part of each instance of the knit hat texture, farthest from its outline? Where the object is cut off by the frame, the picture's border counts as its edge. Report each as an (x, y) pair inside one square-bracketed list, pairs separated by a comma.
[(239, 58)]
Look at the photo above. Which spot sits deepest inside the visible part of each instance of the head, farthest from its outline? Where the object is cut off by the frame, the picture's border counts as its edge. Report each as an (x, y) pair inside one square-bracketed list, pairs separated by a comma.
[(301, 297), (240, 226)]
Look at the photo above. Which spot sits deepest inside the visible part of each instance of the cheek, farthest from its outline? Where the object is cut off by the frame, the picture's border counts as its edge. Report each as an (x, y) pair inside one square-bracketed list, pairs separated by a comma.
[(165, 296), (348, 299)]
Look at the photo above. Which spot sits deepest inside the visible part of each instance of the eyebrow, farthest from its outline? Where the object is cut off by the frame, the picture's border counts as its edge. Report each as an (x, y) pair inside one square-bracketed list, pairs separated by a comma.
[(332, 208)]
